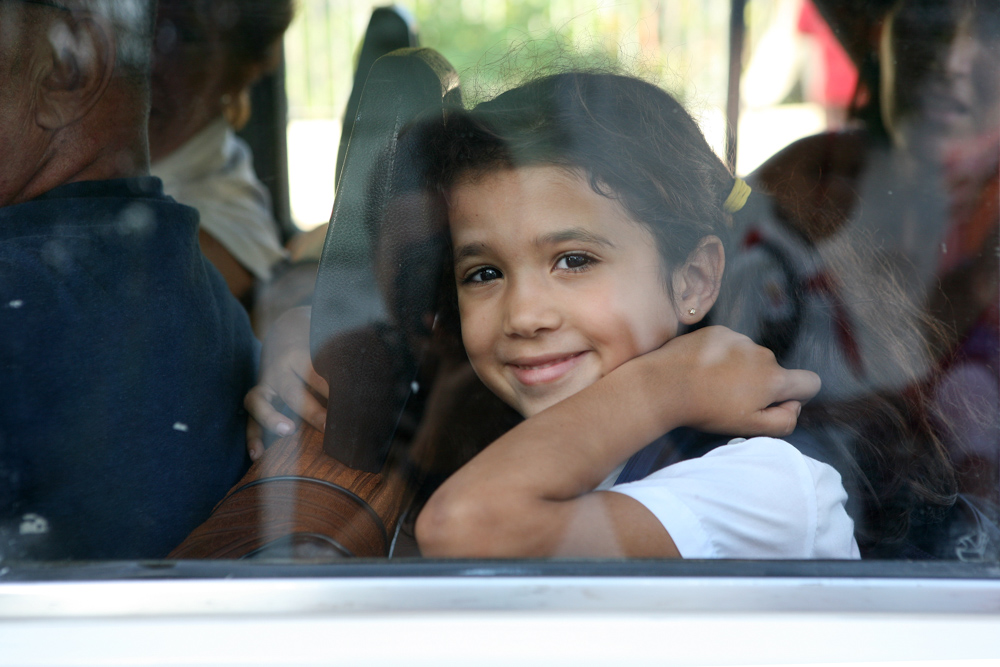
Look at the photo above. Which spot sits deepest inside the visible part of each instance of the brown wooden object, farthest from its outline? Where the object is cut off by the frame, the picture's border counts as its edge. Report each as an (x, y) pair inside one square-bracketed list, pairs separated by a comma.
[(297, 502), (301, 500)]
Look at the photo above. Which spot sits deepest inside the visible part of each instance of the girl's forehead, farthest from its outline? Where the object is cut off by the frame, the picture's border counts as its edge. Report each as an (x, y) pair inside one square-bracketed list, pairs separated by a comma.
[(484, 194), (521, 190), (537, 206), (520, 179)]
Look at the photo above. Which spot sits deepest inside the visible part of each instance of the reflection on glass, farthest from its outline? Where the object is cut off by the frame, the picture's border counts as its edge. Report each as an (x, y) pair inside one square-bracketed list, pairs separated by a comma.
[(915, 191), (123, 357), (206, 57), (540, 323)]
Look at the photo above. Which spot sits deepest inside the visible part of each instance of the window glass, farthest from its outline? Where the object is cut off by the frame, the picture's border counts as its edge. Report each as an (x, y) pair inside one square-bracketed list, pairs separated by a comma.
[(554, 313), (679, 43), (797, 81)]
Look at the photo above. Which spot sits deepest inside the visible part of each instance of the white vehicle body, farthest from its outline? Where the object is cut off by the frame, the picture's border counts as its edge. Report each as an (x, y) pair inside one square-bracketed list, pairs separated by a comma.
[(497, 614)]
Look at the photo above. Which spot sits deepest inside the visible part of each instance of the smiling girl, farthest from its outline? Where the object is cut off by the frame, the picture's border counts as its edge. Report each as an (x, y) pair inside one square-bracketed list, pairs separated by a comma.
[(590, 225), (587, 217)]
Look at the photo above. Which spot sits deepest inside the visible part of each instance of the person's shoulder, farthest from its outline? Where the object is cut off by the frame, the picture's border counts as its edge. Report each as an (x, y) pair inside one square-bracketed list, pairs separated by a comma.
[(29, 266), (124, 209), (750, 498), (774, 453), (843, 150), (771, 463), (811, 487), (812, 181), (779, 466), (757, 447)]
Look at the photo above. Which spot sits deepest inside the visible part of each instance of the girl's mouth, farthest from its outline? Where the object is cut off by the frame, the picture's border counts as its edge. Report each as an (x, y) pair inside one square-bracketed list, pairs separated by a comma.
[(542, 370)]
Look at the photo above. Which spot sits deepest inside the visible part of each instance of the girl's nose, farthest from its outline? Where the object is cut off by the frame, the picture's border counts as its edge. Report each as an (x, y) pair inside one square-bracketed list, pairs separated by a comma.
[(530, 309)]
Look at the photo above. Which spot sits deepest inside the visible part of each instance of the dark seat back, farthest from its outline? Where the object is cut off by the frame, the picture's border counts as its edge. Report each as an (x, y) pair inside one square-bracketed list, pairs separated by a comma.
[(376, 290), (389, 29)]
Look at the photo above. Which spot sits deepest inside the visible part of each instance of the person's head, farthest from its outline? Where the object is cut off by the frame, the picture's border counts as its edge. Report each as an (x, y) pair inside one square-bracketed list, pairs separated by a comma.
[(73, 77), (586, 217), (940, 81), (206, 55)]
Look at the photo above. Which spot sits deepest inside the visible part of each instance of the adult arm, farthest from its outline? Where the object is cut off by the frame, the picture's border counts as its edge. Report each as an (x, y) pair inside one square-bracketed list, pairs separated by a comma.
[(529, 494), (238, 278)]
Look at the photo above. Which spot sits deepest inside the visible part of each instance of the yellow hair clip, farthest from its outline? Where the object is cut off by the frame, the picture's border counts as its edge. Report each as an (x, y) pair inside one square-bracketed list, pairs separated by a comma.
[(738, 197)]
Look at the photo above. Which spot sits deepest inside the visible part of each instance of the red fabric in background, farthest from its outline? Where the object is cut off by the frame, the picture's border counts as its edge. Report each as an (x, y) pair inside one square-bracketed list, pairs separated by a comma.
[(840, 75)]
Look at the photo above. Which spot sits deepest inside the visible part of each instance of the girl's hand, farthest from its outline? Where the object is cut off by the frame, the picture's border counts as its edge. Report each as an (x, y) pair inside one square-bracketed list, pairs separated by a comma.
[(530, 493), (719, 381), (287, 375)]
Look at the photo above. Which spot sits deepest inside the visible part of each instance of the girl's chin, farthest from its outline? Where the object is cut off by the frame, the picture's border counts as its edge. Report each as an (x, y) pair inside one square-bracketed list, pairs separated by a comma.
[(529, 406)]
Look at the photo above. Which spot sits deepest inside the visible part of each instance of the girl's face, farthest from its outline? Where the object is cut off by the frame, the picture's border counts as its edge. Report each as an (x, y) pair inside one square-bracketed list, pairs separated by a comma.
[(557, 286)]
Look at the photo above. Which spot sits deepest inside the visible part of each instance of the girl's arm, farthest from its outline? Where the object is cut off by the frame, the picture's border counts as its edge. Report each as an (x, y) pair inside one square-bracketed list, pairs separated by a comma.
[(529, 494)]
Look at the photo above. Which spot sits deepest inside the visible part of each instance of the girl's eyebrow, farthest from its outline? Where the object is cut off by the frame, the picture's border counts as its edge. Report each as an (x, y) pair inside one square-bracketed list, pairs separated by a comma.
[(577, 234), (470, 250), (574, 234)]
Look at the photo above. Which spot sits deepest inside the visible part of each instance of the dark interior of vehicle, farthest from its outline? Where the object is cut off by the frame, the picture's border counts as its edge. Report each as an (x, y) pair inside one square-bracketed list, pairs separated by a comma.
[(376, 292), (373, 303)]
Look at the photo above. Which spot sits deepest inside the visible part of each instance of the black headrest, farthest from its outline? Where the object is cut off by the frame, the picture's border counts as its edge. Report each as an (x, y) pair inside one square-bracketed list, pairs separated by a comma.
[(389, 28), (376, 290)]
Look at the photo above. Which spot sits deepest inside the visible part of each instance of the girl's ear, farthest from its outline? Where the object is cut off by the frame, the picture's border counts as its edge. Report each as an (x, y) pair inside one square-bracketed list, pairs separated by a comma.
[(696, 283)]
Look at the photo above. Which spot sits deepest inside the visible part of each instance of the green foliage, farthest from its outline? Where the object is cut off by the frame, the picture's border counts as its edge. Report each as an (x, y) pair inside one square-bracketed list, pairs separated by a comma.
[(497, 43)]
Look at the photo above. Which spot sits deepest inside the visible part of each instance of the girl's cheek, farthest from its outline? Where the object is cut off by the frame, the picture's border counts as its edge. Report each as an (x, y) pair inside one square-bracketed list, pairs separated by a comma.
[(472, 336)]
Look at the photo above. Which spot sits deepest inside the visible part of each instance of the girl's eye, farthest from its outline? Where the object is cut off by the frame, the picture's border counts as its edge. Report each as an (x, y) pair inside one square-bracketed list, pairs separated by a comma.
[(574, 261), (483, 275)]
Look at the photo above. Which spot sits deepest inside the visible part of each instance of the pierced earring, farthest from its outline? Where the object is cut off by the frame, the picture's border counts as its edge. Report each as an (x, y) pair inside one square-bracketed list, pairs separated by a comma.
[(692, 311)]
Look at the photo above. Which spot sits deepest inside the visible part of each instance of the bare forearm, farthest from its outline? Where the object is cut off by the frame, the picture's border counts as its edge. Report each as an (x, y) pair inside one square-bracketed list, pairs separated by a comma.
[(529, 493), (568, 449)]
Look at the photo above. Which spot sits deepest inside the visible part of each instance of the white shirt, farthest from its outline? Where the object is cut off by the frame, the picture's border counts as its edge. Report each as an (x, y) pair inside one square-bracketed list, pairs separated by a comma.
[(213, 172), (757, 498)]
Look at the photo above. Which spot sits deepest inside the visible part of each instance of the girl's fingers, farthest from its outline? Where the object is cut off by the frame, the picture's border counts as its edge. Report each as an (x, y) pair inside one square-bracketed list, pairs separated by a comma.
[(795, 388), (259, 403), (778, 420), (799, 385), (317, 382), (297, 383), (255, 439), (301, 400), (312, 411), (738, 387)]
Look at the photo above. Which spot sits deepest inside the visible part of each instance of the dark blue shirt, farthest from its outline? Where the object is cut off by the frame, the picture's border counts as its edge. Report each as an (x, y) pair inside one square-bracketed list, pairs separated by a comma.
[(123, 364)]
